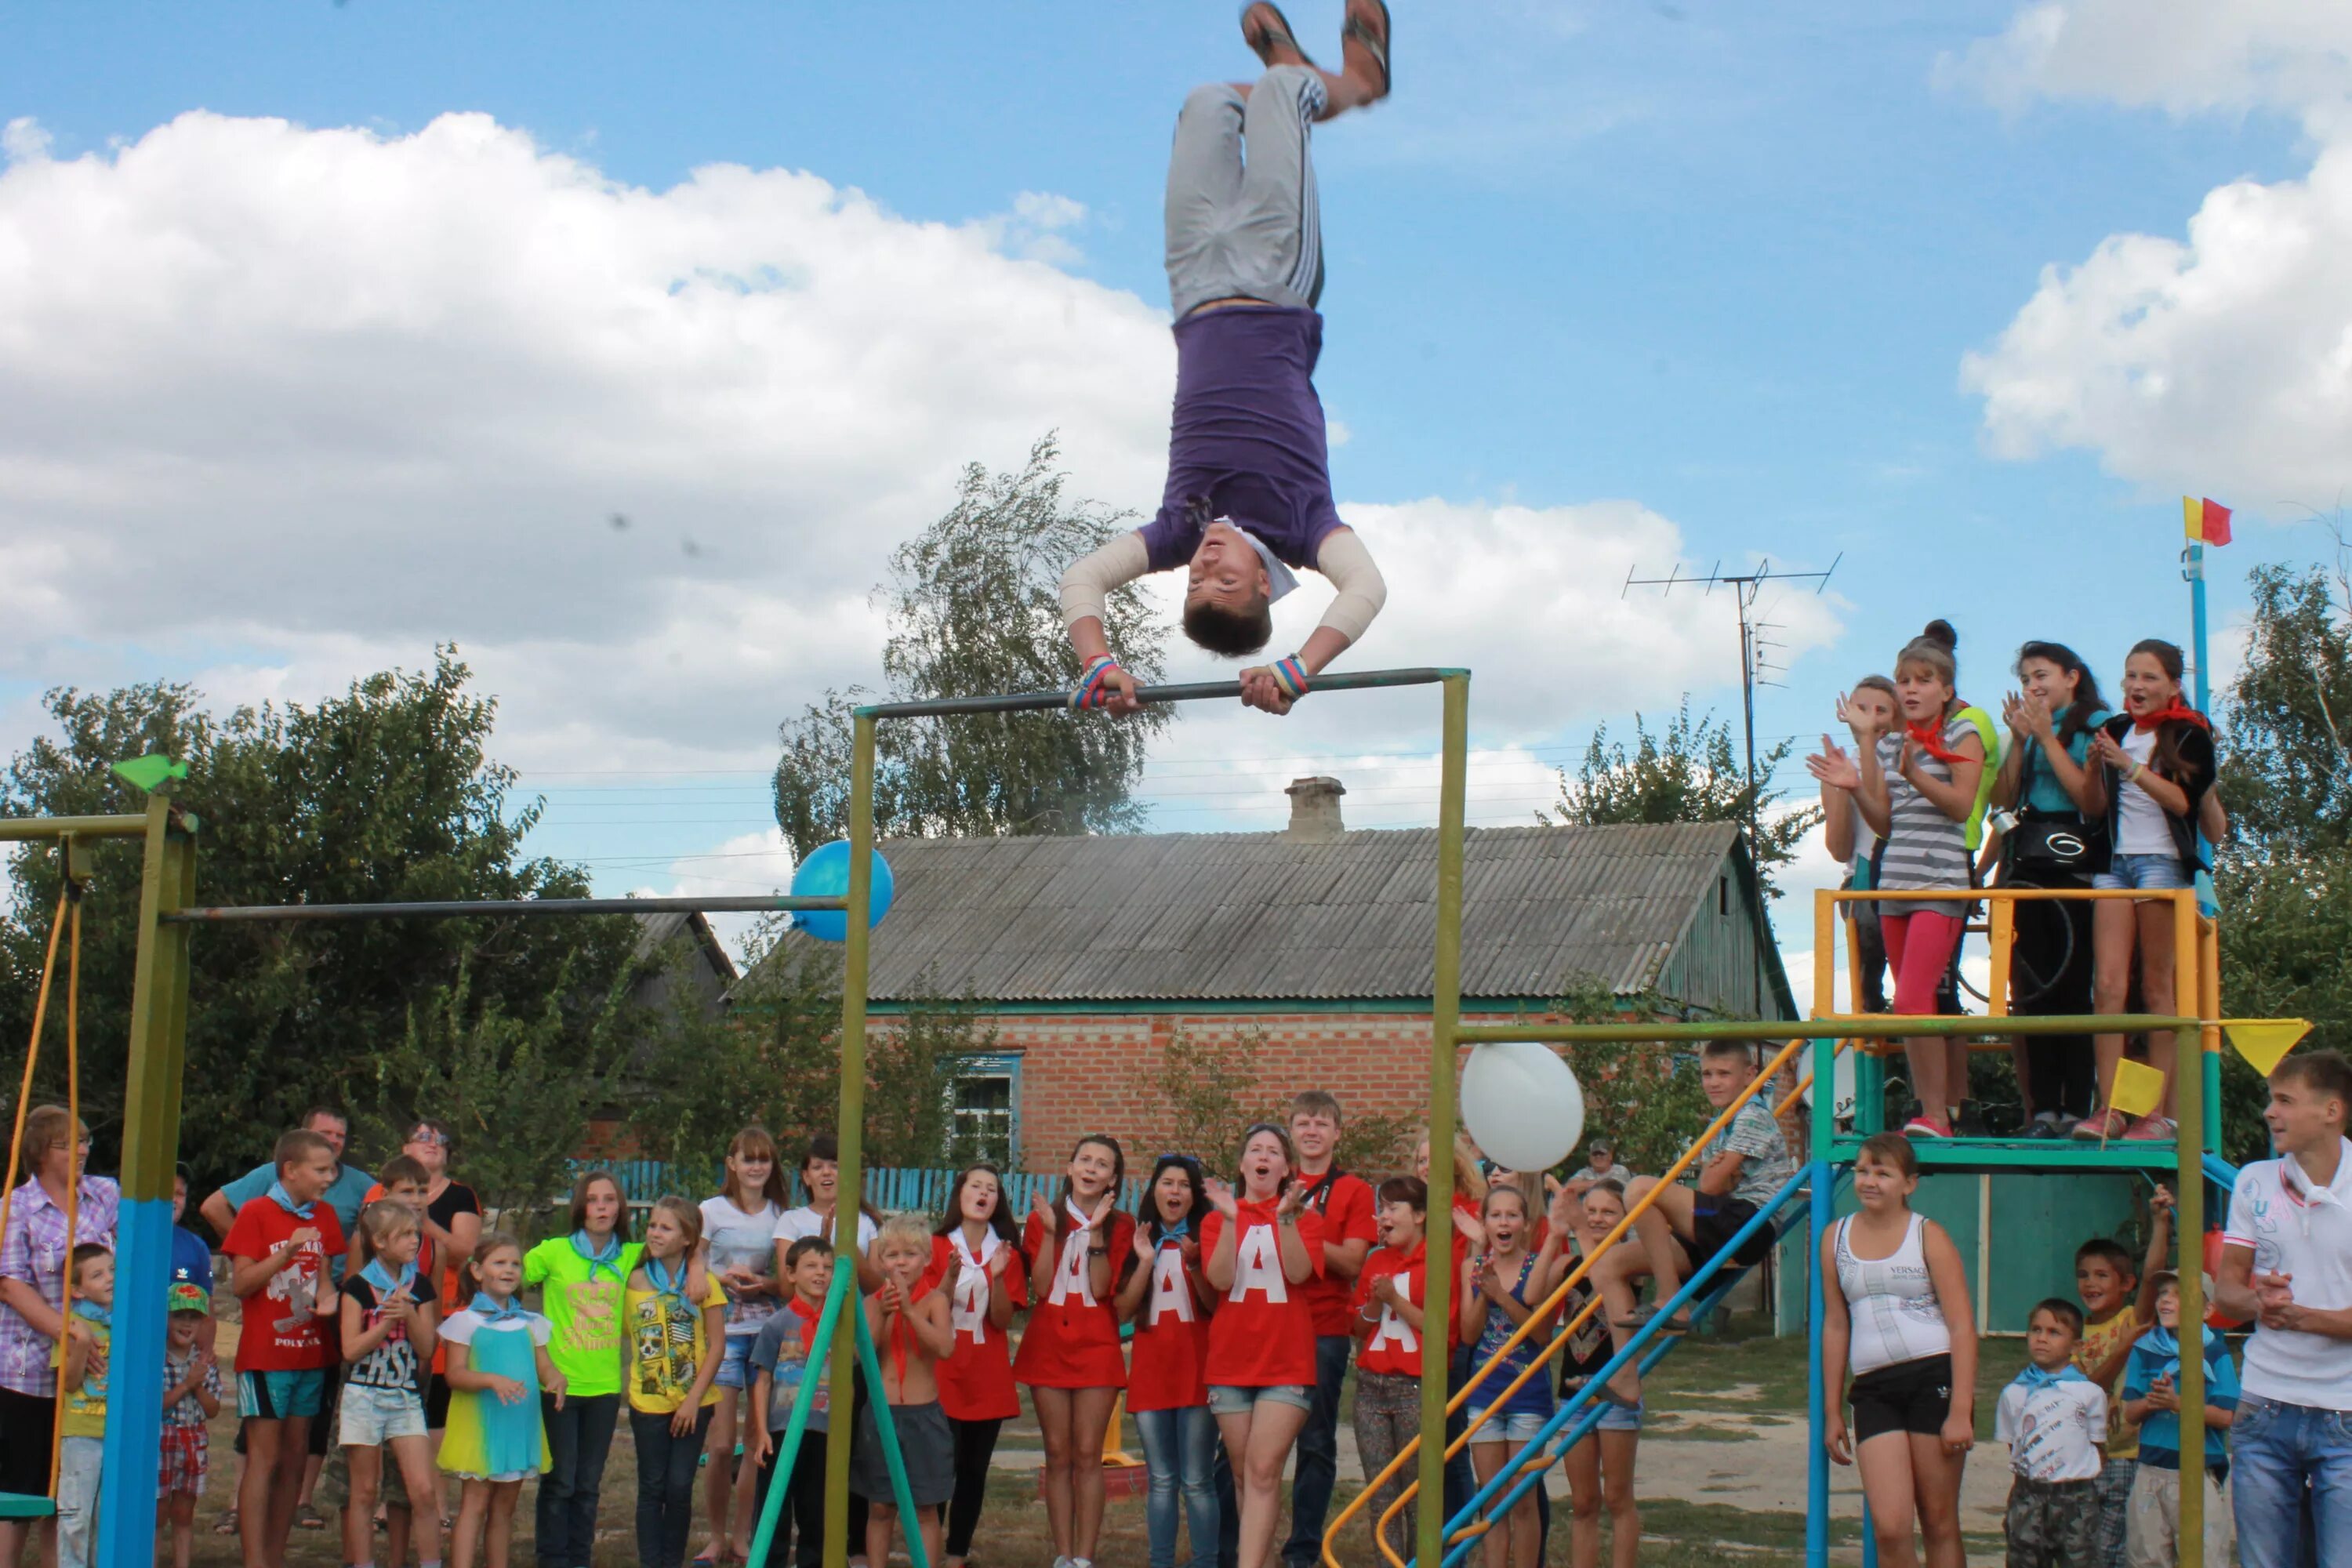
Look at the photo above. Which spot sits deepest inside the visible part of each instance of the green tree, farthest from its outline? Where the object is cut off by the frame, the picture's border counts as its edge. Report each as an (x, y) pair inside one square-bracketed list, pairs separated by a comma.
[(1688, 771), (2284, 879), (1644, 1098), (384, 792), (974, 610)]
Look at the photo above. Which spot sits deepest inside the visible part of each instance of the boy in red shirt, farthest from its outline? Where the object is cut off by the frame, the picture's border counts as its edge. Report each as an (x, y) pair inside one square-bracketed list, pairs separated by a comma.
[(1345, 1202), (278, 1246), (1387, 1316)]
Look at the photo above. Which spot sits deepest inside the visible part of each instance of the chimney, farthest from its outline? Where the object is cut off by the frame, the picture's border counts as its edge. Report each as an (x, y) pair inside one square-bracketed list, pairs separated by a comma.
[(1315, 810)]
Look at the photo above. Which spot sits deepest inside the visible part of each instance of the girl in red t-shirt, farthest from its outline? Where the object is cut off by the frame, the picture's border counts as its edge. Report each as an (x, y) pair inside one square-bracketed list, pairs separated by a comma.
[(1167, 1297), (976, 1257), (1259, 1243), (1069, 1354)]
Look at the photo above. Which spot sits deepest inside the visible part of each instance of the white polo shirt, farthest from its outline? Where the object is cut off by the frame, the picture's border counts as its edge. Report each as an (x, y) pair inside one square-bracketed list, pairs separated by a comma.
[(2305, 1231)]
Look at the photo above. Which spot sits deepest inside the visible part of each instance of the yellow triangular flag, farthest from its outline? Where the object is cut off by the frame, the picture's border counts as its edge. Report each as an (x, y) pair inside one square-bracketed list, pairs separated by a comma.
[(2140, 1088), (2263, 1041)]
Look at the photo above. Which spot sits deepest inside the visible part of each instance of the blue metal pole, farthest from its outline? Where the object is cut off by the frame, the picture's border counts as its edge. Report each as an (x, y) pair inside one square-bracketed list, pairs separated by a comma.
[(2196, 576)]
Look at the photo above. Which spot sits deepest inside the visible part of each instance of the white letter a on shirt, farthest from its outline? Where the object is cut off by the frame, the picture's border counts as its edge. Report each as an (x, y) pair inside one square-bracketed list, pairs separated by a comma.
[(1257, 1265)]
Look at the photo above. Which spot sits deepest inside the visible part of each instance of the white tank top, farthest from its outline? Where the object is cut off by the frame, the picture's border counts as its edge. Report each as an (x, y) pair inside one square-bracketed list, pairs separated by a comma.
[(1891, 1302)]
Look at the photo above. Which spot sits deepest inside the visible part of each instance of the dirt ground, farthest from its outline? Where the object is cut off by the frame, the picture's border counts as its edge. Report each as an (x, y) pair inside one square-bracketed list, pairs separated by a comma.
[(1722, 1479)]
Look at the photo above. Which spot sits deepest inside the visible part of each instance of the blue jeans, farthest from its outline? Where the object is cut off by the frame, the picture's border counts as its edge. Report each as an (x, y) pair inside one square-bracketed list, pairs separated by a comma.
[(2274, 1451), (1319, 1454), (666, 1466), (578, 1440), (1179, 1447)]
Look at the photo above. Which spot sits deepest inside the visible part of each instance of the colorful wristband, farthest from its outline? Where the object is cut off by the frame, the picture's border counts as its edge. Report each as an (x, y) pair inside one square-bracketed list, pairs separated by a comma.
[(1089, 691), (1290, 674)]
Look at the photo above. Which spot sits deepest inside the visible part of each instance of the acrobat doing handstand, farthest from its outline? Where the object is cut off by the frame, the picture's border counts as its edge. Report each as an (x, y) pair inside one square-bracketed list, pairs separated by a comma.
[(1248, 495)]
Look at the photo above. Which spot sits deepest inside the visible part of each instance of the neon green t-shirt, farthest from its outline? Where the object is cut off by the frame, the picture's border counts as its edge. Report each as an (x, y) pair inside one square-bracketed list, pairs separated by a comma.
[(583, 1313)]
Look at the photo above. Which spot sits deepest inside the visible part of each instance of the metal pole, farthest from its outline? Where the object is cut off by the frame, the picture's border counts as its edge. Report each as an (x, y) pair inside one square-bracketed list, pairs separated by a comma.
[(2208, 1008), (851, 1134), (2188, 1088), (150, 1149), (1864, 1026), (2199, 668), (500, 908), (1197, 691), (25, 829), (1445, 1024)]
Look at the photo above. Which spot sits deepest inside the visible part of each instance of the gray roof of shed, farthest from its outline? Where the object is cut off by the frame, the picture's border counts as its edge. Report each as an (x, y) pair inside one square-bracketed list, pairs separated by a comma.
[(1261, 916)]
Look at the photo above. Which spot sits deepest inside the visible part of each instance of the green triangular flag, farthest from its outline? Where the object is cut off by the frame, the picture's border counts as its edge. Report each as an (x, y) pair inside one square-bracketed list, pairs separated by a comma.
[(150, 771)]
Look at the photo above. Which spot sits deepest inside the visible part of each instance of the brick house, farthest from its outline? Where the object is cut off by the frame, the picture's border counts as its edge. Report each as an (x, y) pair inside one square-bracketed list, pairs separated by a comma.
[(1090, 952)]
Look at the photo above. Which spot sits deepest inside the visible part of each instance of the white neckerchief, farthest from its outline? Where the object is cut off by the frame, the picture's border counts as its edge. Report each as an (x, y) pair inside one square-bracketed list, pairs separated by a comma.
[(1279, 578), (969, 1302), (2309, 1195), (1071, 1269)]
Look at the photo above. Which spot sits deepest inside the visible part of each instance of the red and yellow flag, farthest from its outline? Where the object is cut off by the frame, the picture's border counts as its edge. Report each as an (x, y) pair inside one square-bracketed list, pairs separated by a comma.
[(2207, 521)]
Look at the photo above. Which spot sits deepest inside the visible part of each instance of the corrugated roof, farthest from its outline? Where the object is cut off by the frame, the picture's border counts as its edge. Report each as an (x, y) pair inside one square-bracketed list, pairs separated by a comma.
[(1261, 916)]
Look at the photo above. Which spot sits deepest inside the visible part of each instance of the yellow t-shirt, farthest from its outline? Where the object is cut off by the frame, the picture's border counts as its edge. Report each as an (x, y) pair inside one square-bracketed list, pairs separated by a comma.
[(666, 1346), (2099, 1341)]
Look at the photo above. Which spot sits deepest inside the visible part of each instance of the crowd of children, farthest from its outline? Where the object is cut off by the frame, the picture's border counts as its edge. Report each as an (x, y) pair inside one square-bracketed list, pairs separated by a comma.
[(1225, 1374)]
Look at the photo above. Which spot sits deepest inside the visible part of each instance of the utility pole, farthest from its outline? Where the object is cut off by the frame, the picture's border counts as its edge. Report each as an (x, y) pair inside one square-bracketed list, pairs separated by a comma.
[(1745, 587)]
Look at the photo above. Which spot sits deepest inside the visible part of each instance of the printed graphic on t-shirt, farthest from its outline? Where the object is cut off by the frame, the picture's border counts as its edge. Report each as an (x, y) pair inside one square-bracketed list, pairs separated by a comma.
[(662, 1338)]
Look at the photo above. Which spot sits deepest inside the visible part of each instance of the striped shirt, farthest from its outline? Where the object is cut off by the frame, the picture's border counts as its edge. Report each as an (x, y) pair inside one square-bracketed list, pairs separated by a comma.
[(1925, 848)]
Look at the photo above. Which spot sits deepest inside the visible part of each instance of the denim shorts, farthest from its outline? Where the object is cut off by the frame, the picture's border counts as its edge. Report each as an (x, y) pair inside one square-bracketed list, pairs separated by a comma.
[(280, 1395), (370, 1415), (735, 1366), (1616, 1417), (2143, 873), (1232, 1399), (1511, 1426)]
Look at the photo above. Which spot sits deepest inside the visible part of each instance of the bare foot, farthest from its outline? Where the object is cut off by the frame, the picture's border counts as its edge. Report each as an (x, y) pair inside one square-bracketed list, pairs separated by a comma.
[(1267, 32), (1364, 49)]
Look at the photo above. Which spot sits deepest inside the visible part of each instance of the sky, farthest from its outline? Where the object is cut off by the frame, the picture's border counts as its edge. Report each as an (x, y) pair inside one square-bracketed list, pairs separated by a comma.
[(618, 345)]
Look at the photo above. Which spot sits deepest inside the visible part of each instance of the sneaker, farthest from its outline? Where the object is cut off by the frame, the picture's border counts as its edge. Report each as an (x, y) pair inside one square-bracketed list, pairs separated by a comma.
[(1925, 1127), (1970, 1123), (2102, 1124), (2153, 1129), (2045, 1126)]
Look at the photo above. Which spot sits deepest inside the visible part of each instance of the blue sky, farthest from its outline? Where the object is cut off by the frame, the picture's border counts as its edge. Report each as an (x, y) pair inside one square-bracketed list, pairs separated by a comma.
[(1719, 263)]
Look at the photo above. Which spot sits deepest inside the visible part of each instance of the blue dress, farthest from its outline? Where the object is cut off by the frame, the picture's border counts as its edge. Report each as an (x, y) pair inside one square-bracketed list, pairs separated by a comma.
[(488, 1439)]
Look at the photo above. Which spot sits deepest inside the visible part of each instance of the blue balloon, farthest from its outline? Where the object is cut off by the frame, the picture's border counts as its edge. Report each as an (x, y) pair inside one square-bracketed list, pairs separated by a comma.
[(825, 875)]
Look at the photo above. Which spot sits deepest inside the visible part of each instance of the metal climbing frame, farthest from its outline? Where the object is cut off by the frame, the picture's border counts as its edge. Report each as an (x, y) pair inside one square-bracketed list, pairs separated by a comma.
[(1446, 1006), (2197, 965)]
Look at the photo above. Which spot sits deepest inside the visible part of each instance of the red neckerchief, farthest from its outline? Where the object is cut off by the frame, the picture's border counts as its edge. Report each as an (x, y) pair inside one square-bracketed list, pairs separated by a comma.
[(899, 1334), (1929, 738), (2175, 712)]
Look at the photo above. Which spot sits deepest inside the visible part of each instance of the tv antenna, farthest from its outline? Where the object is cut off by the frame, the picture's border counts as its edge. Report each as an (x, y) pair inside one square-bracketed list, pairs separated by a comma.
[(1755, 663)]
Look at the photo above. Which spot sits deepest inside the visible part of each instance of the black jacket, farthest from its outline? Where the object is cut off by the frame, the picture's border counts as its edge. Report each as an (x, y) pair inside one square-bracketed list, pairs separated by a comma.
[(2195, 776)]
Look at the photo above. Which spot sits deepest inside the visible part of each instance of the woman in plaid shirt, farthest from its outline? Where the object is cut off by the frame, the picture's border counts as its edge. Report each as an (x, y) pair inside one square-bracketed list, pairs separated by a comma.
[(33, 1248)]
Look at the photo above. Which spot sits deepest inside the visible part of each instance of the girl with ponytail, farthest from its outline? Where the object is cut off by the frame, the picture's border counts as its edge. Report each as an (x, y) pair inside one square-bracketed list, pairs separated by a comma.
[(2158, 759), (1919, 787)]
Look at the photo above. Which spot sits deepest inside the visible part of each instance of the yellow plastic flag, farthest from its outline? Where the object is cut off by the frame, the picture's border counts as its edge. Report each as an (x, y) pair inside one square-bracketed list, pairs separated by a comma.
[(2140, 1088), (2263, 1041)]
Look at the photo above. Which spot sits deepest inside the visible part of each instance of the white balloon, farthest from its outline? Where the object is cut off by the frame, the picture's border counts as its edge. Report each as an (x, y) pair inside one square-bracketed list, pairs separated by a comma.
[(1522, 1104)]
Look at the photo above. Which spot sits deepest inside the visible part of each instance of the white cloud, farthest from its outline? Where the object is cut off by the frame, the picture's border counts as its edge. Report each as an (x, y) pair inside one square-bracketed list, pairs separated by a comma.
[(743, 866), (2183, 56), (326, 393), (2220, 363)]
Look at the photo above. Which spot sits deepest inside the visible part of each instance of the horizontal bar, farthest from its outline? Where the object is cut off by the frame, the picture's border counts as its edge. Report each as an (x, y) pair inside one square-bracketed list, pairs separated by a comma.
[(1031, 701), (1874, 1026), (1971, 895), (29, 829), (2043, 1154), (245, 914)]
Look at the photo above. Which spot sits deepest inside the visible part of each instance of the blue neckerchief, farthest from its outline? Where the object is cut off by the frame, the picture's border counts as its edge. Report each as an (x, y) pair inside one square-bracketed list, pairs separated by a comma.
[(285, 1200), (2035, 1379), (1177, 1232), (102, 1316), (606, 1257), (665, 1283), (492, 1312), (385, 1285)]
